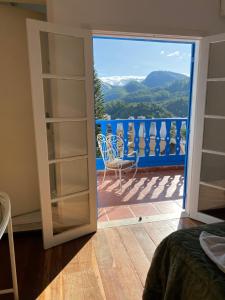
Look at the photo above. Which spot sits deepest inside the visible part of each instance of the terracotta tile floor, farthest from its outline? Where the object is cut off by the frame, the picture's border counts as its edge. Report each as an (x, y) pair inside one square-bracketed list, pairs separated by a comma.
[(149, 193)]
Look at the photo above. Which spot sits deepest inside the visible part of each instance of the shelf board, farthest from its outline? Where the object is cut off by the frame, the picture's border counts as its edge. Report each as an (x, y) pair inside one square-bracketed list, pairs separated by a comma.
[(58, 120), (212, 185), (213, 152), (53, 76), (58, 199), (58, 160)]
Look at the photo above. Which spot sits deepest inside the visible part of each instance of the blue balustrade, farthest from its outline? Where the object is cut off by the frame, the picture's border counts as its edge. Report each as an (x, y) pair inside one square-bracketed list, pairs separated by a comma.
[(158, 142)]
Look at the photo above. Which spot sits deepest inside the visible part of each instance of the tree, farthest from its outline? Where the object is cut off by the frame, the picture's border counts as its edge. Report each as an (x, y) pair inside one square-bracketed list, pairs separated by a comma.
[(99, 107), (98, 97)]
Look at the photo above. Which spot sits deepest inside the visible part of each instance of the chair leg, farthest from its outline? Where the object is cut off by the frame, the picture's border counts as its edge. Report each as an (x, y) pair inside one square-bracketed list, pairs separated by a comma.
[(104, 176), (120, 177), (12, 260), (135, 173)]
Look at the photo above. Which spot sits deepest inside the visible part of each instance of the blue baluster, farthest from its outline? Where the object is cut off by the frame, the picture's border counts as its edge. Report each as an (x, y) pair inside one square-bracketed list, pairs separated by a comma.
[(147, 137), (136, 135), (168, 128), (157, 137), (186, 129), (125, 137), (114, 127), (104, 128), (178, 128)]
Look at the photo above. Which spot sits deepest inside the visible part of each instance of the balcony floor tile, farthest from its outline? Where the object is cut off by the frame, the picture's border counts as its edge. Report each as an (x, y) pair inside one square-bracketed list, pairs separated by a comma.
[(119, 212), (149, 193), (144, 210)]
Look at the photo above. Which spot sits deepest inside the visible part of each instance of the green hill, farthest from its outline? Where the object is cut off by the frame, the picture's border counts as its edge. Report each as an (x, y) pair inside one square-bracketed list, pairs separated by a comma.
[(166, 93), (162, 78)]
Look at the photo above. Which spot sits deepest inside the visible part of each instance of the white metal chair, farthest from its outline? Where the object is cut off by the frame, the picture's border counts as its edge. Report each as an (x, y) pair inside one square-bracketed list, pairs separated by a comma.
[(112, 151), (6, 223)]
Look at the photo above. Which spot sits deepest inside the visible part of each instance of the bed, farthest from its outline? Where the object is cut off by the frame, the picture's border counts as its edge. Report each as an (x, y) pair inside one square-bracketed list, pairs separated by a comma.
[(181, 270)]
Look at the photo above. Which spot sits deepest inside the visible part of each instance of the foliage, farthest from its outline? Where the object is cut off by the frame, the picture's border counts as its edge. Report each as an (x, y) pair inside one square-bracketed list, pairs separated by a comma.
[(122, 110), (137, 98), (98, 98), (99, 106)]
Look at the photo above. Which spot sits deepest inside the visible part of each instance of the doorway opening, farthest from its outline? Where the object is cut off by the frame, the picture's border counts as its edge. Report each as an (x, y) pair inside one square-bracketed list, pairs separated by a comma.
[(143, 91)]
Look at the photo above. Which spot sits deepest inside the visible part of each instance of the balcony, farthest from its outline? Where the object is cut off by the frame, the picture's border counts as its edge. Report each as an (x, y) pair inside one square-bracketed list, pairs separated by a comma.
[(158, 142), (158, 185)]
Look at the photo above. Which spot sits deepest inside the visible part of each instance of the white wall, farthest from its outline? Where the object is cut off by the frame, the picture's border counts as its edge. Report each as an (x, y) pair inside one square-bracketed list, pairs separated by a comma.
[(180, 17), (18, 169)]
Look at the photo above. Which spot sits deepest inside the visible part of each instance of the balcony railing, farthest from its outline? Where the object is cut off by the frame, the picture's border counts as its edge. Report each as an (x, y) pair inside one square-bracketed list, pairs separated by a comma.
[(158, 142)]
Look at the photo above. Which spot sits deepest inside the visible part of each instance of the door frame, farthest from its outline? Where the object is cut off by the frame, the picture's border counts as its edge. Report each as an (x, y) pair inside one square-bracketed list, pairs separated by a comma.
[(196, 109)]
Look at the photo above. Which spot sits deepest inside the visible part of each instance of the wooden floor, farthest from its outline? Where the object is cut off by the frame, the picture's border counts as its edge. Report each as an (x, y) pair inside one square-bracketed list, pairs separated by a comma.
[(111, 264)]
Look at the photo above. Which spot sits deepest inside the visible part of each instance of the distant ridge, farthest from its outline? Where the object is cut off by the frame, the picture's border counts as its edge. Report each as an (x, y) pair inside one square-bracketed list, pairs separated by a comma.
[(162, 78), (161, 93)]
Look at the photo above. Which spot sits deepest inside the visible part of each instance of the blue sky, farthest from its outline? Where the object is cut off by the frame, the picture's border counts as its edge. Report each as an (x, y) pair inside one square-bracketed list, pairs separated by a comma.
[(121, 57)]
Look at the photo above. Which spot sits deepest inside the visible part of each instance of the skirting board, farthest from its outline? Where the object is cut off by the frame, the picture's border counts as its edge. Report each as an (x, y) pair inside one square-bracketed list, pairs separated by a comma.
[(27, 222)]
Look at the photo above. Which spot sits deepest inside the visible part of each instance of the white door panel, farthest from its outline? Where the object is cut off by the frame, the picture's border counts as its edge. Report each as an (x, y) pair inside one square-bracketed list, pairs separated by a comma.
[(207, 190), (62, 91)]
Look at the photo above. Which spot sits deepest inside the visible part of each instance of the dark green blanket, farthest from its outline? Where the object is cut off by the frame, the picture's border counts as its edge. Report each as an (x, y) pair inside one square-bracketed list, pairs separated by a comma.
[(181, 270)]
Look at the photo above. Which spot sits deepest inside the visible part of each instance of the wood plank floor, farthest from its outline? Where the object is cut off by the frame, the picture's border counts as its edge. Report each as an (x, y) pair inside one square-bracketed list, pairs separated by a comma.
[(111, 264)]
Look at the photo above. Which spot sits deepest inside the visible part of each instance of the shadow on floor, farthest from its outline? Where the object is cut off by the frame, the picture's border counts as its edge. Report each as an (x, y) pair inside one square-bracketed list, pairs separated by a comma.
[(36, 267), (144, 188)]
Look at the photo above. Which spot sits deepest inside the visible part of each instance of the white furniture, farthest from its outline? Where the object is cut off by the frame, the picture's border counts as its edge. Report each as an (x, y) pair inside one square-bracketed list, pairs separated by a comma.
[(112, 151), (6, 223)]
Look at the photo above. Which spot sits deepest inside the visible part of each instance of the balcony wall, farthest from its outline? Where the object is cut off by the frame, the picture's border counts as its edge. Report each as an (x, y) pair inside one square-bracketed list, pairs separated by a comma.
[(158, 142)]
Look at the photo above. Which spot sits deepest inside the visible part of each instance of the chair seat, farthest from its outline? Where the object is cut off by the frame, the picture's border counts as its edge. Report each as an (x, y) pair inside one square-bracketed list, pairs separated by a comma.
[(120, 164)]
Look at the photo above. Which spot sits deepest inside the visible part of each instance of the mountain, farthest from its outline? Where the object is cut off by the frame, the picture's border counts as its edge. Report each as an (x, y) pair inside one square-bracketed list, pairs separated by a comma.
[(156, 87), (163, 92), (162, 78), (134, 86), (106, 87)]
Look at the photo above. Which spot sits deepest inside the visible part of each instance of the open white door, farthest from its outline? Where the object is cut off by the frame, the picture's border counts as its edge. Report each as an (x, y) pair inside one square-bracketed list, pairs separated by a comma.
[(207, 188), (62, 90)]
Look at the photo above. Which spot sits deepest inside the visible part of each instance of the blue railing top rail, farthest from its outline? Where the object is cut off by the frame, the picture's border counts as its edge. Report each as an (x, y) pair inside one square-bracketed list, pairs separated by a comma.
[(140, 120)]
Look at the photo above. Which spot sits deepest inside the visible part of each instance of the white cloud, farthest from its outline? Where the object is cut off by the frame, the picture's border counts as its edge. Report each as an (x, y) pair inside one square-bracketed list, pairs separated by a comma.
[(121, 80), (175, 53), (162, 52)]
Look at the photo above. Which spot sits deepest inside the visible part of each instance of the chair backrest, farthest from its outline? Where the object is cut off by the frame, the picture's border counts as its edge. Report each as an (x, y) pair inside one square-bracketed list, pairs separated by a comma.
[(117, 145), (111, 147), (5, 212)]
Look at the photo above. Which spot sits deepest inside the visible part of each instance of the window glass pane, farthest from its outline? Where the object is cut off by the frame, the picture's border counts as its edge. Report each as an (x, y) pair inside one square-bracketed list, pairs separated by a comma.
[(213, 138), (68, 177), (215, 100), (66, 139), (70, 213), (210, 198), (64, 98), (62, 55), (213, 169), (216, 67)]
